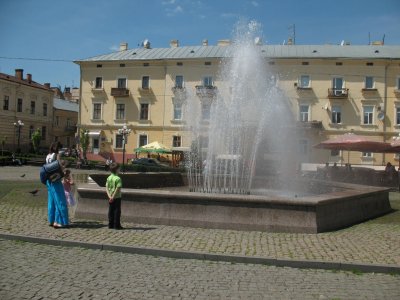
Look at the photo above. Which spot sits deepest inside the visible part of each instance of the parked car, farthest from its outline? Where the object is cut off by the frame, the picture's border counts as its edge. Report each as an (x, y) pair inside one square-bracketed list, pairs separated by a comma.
[(149, 162)]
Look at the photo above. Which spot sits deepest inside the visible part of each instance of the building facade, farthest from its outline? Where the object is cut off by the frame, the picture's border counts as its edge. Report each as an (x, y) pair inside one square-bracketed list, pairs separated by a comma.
[(65, 118), (25, 100), (331, 89)]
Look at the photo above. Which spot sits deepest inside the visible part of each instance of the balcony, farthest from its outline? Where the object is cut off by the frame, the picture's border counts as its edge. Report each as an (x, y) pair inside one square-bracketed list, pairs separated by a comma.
[(367, 90), (119, 92), (334, 93), (70, 128), (206, 90), (97, 90), (179, 92), (310, 124)]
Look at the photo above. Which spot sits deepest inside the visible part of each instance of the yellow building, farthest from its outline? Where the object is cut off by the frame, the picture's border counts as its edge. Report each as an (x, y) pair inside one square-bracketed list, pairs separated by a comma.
[(30, 103), (65, 118), (332, 89)]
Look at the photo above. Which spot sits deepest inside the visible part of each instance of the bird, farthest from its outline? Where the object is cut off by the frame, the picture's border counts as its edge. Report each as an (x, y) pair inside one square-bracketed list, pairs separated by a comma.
[(23, 175), (34, 192)]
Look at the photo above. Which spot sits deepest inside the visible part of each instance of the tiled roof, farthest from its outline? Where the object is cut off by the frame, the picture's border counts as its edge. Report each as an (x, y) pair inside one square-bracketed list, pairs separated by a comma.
[(65, 105), (33, 84), (268, 51)]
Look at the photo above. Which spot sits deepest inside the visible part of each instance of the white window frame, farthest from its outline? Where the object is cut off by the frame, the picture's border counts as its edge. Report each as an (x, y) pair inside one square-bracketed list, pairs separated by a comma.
[(173, 137), (116, 111), (148, 111), (183, 81), (203, 104), (367, 155), (302, 113), (398, 83), (115, 143), (304, 144), (333, 111), (126, 81), (300, 81), (149, 86), (173, 110), (365, 83), (363, 115), (397, 107), (203, 79), (95, 83), (101, 111), (138, 138)]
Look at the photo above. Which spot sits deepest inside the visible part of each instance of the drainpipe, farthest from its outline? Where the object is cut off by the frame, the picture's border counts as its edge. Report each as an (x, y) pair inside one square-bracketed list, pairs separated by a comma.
[(385, 108)]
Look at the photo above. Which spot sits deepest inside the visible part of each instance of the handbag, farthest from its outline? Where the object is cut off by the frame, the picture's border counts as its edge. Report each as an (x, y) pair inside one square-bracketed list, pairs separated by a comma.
[(53, 171)]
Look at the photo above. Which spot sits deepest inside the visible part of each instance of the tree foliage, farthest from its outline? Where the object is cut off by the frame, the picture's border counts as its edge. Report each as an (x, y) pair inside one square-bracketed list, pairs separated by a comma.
[(36, 138)]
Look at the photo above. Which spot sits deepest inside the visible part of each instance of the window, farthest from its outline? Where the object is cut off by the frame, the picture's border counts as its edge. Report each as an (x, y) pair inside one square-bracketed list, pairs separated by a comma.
[(367, 154), (369, 82), (99, 66), (304, 113), (207, 81), (44, 109), (305, 63), (120, 112), (207, 63), (176, 141), (304, 81), (119, 140), (336, 115), (121, 83), (19, 105), (398, 83), (31, 131), (33, 105), (337, 83), (335, 152), (397, 115), (368, 115), (145, 82), (177, 111), (68, 122), (144, 111), (96, 111), (57, 122), (99, 83), (142, 140), (179, 81), (303, 147), (44, 133), (6, 102), (205, 111)]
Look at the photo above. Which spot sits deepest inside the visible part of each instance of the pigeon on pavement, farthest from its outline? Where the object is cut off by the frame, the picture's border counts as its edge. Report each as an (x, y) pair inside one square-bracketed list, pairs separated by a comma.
[(34, 192)]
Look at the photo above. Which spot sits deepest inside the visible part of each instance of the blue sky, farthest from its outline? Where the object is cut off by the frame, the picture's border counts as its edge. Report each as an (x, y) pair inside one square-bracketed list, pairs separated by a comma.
[(74, 29)]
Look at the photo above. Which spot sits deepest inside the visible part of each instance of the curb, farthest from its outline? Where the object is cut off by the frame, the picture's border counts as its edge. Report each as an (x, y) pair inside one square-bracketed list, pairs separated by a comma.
[(302, 264)]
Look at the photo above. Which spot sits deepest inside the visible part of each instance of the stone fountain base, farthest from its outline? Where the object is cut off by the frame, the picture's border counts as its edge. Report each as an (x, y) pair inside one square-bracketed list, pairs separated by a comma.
[(343, 205)]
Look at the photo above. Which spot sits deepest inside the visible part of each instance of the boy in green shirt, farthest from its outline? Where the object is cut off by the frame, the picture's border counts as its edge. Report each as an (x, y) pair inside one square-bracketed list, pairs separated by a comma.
[(113, 188)]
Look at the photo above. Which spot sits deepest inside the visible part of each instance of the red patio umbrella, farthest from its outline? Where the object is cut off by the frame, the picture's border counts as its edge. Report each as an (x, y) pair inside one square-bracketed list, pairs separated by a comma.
[(353, 142)]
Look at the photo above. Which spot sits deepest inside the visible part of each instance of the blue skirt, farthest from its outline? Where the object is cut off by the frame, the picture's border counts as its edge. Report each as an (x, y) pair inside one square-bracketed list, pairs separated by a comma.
[(57, 210)]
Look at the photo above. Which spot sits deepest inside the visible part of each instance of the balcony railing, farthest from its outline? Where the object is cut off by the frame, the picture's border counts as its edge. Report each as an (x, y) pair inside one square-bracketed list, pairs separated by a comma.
[(206, 90), (119, 92), (338, 93), (70, 128), (310, 124)]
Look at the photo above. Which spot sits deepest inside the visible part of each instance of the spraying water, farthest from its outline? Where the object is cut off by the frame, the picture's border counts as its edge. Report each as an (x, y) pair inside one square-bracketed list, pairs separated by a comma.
[(235, 126)]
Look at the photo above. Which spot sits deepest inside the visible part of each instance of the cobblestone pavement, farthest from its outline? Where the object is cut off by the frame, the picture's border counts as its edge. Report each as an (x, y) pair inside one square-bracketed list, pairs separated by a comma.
[(34, 271)]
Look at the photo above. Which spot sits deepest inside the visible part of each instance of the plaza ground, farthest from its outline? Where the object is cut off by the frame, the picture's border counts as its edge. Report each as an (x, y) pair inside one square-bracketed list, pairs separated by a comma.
[(31, 270)]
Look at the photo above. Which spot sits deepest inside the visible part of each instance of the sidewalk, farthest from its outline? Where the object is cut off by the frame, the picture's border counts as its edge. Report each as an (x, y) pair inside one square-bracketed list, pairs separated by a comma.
[(376, 242)]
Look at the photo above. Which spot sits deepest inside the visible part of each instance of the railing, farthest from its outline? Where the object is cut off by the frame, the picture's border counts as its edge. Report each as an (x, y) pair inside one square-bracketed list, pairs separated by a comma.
[(206, 90), (119, 92), (70, 128), (310, 124), (338, 93)]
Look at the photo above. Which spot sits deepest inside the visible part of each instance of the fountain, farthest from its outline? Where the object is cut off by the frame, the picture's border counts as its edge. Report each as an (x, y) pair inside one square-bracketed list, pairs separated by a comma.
[(241, 174)]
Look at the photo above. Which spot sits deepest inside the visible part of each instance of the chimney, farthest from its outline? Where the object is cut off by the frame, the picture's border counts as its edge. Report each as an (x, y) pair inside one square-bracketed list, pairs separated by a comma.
[(47, 85), (174, 43), (29, 77), (19, 73), (205, 42), (223, 43), (123, 46), (290, 41)]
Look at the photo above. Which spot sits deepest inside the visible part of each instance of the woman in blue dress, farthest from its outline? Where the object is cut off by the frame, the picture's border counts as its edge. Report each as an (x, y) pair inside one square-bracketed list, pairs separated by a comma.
[(56, 204)]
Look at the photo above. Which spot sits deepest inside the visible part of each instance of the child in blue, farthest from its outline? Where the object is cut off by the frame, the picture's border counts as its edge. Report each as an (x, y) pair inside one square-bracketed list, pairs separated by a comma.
[(113, 188)]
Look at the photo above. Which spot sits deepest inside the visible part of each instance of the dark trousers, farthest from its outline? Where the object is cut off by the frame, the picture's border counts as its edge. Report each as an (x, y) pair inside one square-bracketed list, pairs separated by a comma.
[(114, 213)]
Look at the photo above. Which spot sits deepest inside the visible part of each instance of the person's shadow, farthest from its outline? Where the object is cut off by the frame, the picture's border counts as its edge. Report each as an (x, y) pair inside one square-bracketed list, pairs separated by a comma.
[(87, 224)]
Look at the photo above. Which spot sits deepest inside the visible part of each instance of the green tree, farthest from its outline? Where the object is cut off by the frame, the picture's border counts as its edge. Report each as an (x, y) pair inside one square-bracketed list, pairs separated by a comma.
[(84, 141), (36, 138), (3, 143)]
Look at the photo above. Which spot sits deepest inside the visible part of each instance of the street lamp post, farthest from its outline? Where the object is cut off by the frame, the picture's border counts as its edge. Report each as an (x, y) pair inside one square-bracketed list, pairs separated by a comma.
[(18, 125), (124, 131)]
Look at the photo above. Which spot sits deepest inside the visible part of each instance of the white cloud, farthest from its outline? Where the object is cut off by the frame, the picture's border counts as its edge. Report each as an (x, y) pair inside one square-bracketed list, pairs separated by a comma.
[(173, 11), (254, 3), (228, 15)]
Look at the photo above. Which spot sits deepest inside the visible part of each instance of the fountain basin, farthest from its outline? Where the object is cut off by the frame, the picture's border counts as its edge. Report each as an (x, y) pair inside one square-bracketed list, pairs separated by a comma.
[(341, 206)]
